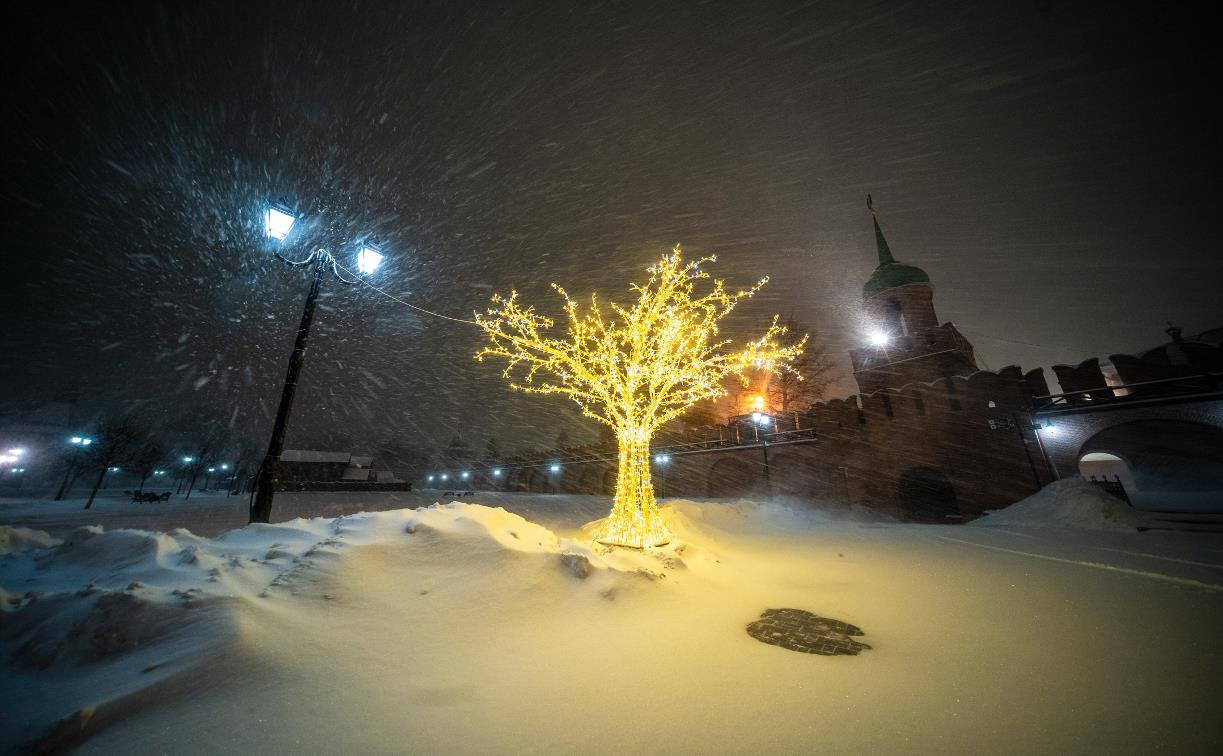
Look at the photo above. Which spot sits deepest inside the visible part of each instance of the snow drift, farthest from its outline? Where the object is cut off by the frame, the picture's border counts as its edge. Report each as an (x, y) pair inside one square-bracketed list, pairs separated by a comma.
[(1067, 503), (466, 628), (126, 609)]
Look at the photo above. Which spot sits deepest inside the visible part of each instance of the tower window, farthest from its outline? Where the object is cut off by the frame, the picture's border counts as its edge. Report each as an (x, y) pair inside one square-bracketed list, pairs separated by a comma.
[(896, 318), (887, 407), (919, 404), (952, 400)]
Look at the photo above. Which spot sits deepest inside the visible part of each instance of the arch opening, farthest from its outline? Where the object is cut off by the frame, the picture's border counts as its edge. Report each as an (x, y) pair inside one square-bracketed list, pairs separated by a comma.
[(927, 495)]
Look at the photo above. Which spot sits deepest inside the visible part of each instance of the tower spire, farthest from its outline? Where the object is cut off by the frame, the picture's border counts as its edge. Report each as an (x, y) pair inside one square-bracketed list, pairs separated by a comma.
[(885, 253)]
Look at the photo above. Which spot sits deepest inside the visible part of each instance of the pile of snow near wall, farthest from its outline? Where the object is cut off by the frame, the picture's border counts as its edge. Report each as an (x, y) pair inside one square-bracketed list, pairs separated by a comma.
[(1069, 503)]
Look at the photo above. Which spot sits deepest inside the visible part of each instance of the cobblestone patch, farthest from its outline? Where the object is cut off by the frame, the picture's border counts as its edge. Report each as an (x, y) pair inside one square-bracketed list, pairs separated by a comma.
[(799, 630)]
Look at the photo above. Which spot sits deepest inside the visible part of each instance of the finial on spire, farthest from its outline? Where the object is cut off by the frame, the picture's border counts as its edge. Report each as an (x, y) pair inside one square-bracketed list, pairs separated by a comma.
[(885, 254)]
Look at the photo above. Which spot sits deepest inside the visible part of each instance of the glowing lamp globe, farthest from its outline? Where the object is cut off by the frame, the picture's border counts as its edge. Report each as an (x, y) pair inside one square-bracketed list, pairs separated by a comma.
[(368, 260), (879, 339), (277, 222)]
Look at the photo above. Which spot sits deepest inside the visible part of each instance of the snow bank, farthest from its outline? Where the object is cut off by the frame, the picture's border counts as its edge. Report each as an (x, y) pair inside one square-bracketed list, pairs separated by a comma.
[(1069, 503), (128, 608), (15, 540)]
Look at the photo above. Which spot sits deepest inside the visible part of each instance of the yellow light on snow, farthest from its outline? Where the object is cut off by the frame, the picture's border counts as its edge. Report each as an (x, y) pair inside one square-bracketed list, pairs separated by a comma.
[(634, 368)]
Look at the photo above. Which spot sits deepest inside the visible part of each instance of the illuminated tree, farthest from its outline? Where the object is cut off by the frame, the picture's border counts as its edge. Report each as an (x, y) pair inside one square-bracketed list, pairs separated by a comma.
[(633, 368)]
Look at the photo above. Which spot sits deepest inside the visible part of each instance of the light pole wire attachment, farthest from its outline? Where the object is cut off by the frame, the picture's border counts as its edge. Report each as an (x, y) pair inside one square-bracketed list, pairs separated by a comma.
[(401, 301)]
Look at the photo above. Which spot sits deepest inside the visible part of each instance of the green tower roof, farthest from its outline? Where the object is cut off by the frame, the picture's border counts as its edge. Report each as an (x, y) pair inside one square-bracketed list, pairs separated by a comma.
[(890, 273)]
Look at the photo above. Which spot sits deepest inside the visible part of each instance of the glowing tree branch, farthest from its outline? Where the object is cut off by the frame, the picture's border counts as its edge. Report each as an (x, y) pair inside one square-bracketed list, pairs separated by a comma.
[(634, 368)]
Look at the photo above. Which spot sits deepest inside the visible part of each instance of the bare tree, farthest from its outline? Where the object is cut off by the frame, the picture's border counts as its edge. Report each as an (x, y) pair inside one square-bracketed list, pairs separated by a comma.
[(145, 458), (116, 438), (807, 382)]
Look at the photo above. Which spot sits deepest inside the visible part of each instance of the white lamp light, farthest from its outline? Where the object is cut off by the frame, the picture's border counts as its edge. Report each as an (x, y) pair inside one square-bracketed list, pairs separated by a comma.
[(277, 222), (368, 260), (879, 339)]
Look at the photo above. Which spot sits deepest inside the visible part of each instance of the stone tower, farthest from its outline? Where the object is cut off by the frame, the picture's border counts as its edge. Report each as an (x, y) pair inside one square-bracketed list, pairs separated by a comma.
[(909, 344)]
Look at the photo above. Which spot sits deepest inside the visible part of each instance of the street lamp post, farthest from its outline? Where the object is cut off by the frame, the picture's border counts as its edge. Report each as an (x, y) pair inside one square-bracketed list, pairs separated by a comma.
[(277, 224), (763, 420)]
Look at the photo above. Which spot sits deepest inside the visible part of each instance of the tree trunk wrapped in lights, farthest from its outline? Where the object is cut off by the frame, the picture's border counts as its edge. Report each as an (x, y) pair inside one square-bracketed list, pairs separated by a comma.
[(634, 368)]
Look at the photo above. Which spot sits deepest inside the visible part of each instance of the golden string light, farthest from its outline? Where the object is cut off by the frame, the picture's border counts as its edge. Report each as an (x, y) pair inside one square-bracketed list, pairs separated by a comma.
[(634, 368)]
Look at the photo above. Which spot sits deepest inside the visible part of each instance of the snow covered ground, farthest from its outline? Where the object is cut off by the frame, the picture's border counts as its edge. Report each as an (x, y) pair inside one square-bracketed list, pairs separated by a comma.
[(493, 625)]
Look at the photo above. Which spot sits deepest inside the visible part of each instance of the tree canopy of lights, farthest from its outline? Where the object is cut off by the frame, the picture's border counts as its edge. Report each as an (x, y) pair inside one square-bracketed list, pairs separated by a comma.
[(634, 368)]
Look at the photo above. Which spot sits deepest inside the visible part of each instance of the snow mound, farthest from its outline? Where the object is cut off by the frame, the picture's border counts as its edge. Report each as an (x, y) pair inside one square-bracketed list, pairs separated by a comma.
[(1069, 503), (15, 540), (126, 610)]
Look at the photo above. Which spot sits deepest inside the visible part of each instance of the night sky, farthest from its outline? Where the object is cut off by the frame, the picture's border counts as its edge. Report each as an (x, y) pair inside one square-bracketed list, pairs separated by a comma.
[(1051, 166)]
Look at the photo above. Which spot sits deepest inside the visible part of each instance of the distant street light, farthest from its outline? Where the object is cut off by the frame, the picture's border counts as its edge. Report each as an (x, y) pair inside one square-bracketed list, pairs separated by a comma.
[(555, 467), (16, 472), (661, 460), (496, 472), (278, 222)]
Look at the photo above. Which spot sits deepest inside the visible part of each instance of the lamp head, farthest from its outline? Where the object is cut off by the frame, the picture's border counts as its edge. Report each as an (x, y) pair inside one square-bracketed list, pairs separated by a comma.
[(368, 259), (277, 222)]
